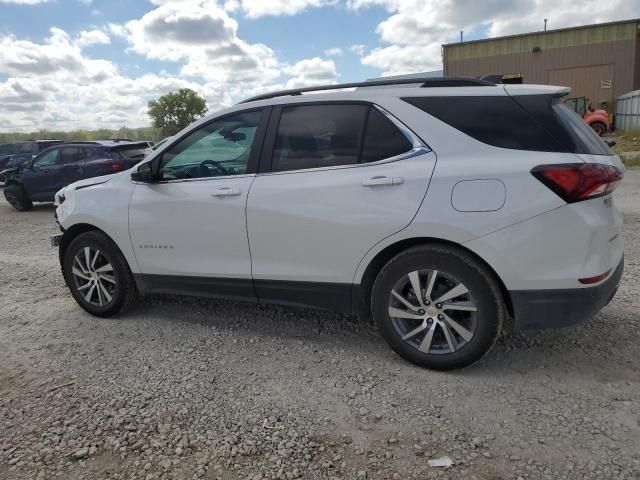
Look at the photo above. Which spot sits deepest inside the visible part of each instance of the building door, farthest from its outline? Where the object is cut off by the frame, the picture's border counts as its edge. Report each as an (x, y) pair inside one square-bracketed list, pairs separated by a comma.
[(594, 82)]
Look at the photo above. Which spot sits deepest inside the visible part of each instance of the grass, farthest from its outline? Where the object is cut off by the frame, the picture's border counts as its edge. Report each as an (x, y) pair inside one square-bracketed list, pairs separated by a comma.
[(628, 141), (631, 161)]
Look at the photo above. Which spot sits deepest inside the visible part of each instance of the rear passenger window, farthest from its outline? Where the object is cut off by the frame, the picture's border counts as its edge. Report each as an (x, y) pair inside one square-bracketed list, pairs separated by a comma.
[(383, 139), (316, 136), (71, 155), (313, 136)]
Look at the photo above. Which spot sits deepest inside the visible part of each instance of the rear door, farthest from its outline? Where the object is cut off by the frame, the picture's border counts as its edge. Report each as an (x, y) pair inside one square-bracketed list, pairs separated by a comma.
[(336, 180), (68, 168)]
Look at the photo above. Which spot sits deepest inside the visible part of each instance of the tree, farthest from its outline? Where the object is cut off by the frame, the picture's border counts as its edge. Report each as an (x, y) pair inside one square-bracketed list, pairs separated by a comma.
[(175, 110)]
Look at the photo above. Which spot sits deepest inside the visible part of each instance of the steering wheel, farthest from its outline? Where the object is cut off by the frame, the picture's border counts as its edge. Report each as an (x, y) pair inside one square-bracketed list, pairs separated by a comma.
[(216, 166)]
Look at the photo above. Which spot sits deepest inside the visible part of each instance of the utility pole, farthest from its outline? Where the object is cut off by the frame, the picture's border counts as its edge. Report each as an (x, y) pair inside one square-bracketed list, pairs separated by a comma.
[(545, 24), (461, 35)]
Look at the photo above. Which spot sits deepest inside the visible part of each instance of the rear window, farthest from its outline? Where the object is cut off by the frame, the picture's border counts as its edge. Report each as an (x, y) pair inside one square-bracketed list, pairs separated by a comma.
[(527, 122), (133, 152)]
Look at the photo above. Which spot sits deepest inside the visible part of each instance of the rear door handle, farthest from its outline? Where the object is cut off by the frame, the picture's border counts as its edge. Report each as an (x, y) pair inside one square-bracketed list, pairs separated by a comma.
[(383, 181), (226, 192)]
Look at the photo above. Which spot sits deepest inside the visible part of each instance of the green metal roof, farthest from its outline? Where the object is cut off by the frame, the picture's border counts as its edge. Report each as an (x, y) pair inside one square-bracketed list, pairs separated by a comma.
[(569, 37)]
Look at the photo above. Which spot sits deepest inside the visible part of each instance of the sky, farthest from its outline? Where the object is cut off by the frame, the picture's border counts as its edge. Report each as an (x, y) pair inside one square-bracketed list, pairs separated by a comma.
[(87, 64)]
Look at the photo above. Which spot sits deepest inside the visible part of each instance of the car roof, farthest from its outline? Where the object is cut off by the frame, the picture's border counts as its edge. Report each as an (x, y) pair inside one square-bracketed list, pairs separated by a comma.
[(106, 143)]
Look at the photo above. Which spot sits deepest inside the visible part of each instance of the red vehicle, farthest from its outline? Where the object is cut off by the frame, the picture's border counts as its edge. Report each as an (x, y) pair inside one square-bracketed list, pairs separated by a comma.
[(596, 119)]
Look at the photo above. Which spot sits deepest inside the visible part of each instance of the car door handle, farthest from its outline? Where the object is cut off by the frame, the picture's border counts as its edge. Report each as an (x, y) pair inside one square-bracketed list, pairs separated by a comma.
[(226, 192), (383, 181)]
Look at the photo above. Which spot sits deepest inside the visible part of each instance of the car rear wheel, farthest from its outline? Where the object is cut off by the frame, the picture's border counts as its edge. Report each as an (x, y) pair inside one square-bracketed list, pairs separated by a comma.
[(18, 198), (599, 127), (98, 275), (438, 307)]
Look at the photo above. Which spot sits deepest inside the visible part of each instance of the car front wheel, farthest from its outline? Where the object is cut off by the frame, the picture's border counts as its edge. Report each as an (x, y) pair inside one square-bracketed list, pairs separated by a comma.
[(98, 275), (438, 307), (18, 198)]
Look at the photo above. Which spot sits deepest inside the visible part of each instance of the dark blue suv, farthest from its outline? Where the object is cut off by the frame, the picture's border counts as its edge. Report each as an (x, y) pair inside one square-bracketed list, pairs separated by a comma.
[(39, 179)]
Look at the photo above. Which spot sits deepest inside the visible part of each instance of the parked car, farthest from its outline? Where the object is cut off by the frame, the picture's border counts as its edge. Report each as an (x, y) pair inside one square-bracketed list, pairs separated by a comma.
[(16, 153), (39, 179), (444, 210)]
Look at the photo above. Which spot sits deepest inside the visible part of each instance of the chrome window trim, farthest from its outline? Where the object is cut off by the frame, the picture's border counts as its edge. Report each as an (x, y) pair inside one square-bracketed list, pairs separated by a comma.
[(201, 179), (418, 148)]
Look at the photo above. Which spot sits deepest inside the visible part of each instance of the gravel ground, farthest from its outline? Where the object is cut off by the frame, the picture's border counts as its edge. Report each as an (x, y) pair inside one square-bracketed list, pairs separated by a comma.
[(185, 388)]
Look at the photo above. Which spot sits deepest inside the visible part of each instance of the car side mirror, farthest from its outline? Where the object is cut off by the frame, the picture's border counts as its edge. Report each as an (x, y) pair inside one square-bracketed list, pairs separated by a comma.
[(142, 173), (611, 143)]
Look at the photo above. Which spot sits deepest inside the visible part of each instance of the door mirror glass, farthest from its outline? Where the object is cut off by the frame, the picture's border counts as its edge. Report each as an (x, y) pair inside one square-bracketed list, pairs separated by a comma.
[(142, 173)]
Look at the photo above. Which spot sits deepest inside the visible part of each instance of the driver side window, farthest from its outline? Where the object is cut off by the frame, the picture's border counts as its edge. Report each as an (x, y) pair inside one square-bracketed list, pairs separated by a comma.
[(47, 159), (220, 148)]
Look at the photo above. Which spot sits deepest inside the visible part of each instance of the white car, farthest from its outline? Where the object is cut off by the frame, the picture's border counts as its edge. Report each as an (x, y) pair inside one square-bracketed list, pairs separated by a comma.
[(444, 208)]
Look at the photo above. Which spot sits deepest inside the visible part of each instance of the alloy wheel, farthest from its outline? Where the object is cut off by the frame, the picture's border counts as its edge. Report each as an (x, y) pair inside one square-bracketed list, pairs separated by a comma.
[(433, 312), (94, 277)]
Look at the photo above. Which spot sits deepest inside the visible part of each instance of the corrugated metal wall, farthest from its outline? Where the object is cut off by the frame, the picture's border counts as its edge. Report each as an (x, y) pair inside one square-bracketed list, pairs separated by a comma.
[(628, 111), (599, 62)]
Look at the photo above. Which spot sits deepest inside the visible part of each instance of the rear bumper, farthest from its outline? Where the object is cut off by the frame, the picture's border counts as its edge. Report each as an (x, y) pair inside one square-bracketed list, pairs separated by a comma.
[(564, 307)]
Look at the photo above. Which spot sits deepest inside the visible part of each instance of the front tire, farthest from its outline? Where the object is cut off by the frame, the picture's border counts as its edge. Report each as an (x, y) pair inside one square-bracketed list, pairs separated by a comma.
[(98, 275), (438, 307), (18, 198)]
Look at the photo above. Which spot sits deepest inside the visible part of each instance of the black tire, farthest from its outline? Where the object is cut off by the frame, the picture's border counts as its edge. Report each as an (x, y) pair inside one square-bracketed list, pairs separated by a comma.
[(482, 287), (124, 291), (599, 127), (18, 198)]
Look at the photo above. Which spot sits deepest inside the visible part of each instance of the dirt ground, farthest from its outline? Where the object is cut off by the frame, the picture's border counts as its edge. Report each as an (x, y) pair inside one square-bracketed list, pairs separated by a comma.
[(183, 388)]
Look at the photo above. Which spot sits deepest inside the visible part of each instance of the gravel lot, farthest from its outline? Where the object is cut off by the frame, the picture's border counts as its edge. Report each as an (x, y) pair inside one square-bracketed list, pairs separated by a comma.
[(184, 388)]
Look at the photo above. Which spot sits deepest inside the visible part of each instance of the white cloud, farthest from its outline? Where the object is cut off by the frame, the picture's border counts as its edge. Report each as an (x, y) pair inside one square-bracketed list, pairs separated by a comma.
[(312, 71), (333, 52), (24, 2), (261, 8), (92, 37), (55, 84), (358, 49)]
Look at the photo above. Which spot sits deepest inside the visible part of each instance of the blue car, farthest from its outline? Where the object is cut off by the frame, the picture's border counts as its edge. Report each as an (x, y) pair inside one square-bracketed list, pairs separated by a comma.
[(39, 179), (15, 154)]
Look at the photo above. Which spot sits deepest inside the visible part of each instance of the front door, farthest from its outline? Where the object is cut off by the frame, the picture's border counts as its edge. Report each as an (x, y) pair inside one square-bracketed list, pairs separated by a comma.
[(38, 179), (188, 229), (341, 179)]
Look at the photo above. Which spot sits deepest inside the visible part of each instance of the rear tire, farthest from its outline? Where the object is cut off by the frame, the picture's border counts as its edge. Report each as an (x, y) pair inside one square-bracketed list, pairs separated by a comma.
[(599, 127), (451, 333), (98, 275), (18, 198)]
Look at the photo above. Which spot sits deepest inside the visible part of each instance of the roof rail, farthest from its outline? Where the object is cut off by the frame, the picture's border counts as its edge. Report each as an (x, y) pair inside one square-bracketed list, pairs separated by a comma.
[(426, 82)]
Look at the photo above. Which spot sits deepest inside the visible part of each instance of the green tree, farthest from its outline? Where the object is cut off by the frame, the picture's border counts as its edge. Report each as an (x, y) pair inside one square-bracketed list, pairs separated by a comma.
[(175, 110)]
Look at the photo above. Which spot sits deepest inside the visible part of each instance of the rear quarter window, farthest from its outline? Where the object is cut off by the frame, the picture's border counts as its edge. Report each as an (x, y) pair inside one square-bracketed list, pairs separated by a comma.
[(497, 121)]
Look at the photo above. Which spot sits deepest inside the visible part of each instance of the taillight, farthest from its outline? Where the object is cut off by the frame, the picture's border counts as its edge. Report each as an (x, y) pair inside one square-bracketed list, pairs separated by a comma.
[(574, 182), (114, 166)]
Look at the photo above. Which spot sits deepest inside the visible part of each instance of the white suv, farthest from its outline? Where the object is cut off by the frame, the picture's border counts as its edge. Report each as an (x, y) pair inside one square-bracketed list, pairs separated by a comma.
[(441, 207)]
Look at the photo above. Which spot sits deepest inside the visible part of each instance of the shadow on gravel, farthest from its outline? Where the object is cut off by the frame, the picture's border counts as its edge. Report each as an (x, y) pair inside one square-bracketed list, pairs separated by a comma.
[(560, 351)]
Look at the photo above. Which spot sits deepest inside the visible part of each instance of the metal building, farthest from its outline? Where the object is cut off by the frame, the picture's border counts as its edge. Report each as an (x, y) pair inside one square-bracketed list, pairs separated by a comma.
[(599, 61)]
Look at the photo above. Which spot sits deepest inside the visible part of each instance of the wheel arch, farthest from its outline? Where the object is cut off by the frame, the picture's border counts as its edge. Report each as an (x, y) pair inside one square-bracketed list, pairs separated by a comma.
[(387, 253), (72, 232)]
